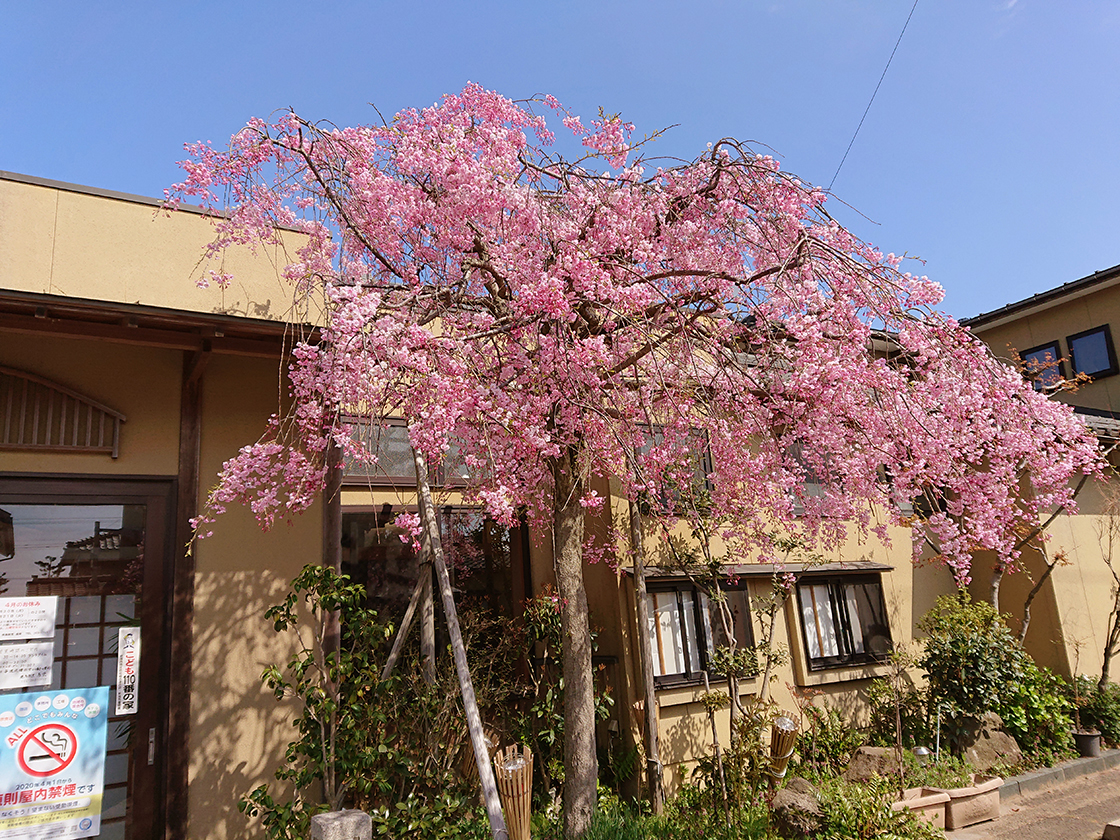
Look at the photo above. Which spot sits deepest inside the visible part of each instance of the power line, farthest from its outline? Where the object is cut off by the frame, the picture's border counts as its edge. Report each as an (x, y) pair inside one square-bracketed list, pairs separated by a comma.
[(868, 108)]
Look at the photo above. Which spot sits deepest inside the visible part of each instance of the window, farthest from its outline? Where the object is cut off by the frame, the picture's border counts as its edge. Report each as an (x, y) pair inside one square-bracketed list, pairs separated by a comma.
[(1043, 365), (388, 441), (843, 620), (684, 630), (482, 558), (673, 497), (1091, 352)]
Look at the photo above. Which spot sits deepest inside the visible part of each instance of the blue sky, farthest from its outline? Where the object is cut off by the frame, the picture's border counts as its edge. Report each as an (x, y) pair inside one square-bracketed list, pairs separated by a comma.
[(990, 151)]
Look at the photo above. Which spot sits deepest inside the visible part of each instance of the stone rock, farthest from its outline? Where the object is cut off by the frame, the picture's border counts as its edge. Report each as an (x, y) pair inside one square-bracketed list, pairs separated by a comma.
[(796, 810), (986, 744), (342, 825), (869, 762)]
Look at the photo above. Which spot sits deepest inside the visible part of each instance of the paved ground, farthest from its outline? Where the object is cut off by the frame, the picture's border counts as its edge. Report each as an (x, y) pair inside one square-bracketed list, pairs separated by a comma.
[(1076, 809)]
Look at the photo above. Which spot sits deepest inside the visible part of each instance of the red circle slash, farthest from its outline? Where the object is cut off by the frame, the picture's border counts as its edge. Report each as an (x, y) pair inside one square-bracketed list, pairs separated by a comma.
[(47, 750)]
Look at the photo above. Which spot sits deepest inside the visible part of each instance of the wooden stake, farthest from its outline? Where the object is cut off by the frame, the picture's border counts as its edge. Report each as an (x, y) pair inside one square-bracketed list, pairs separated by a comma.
[(645, 657), (430, 525)]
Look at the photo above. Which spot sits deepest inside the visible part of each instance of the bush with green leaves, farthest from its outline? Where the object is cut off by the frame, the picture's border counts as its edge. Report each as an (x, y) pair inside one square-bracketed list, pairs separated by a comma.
[(863, 812), (912, 710), (395, 748), (975, 665), (826, 743), (1100, 708)]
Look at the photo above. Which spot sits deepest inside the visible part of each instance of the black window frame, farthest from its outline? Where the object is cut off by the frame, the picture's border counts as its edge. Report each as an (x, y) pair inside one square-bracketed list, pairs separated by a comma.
[(1059, 363), (1110, 349), (705, 641), (842, 622)]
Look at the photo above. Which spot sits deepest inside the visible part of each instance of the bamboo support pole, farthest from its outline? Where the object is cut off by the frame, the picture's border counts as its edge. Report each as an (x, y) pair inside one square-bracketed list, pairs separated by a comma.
[(430, 524)]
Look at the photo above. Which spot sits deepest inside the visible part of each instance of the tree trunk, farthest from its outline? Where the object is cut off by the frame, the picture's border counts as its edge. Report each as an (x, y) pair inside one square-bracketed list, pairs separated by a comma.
[(645, 656), (430, 524), (580, 762), (1110, 642), (402, 632), (993, 589), (332, 621)]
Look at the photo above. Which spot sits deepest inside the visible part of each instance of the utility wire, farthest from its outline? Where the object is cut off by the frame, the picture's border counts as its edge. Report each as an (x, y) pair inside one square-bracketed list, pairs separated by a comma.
[(868, 108)]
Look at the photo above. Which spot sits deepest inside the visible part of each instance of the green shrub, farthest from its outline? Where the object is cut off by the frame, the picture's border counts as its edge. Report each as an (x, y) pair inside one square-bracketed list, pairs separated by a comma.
[(1036, 709), (393, 747), (975, 665), (916, 728), (863, 812), (946, 772), (826, 743), (1100, 709)]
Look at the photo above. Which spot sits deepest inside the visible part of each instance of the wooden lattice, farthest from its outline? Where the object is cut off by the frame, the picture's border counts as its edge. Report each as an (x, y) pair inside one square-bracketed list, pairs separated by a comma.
[(37, 414)]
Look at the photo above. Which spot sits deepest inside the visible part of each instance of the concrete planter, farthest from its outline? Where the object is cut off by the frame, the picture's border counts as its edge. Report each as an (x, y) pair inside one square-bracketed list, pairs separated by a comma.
[(928, 803), (976, 803)]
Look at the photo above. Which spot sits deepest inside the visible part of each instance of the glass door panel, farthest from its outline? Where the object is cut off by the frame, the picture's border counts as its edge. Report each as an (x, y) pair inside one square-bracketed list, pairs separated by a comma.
[(92, 556)]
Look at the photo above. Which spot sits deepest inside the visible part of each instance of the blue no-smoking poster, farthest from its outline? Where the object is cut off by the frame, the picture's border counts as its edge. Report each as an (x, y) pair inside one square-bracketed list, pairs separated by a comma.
[(52, 763)]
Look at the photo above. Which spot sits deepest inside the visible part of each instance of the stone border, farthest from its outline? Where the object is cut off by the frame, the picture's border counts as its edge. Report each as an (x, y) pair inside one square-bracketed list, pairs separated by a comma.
[(1041, 780)]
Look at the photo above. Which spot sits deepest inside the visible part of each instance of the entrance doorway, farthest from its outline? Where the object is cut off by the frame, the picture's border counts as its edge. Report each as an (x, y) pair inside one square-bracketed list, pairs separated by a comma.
[(101, 547)]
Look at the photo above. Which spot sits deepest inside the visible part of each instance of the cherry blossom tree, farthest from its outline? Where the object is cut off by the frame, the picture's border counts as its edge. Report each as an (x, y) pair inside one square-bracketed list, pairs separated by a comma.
[(559, 319)]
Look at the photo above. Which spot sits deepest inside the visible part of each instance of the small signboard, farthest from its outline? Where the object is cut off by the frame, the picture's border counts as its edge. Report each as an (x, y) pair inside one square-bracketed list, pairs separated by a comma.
[(27, 618), (128, 669), (26, 665), (52, 763)]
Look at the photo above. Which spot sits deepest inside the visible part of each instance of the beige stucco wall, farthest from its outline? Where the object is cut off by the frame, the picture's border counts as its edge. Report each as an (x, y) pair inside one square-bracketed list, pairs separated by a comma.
[(68, 242), (238, 730), (142, 384)]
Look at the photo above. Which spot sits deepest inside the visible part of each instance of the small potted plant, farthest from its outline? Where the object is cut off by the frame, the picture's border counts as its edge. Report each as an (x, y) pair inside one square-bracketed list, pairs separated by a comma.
[(1087, 741)]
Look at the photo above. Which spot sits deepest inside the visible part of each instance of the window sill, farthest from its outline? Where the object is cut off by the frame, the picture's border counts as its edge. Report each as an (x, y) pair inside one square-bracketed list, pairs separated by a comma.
[(848, 673), (692, 691)]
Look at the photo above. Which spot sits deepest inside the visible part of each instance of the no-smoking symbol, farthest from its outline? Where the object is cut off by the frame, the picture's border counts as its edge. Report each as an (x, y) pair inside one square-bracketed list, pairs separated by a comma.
[(47, 750)]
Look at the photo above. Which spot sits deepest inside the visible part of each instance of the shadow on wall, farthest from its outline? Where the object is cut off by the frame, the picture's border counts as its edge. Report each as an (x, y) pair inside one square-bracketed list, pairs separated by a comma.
[(685, 737), (239, 731)]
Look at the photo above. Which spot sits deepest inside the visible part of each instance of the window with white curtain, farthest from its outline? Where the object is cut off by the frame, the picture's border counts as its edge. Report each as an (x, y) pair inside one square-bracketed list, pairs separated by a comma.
[(843, 620), (684, 630)]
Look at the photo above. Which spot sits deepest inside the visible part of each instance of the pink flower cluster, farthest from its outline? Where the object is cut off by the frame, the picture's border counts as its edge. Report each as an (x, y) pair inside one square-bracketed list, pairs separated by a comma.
[(512, 307)]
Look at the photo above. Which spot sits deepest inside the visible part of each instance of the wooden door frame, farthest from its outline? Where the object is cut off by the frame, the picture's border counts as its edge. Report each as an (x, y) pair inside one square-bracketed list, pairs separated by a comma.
[(158, 494)]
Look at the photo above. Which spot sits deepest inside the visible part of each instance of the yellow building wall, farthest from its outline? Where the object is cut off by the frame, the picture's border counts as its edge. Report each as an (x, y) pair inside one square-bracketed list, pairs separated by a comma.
[(85, 245), (238, 729), (142, 384)]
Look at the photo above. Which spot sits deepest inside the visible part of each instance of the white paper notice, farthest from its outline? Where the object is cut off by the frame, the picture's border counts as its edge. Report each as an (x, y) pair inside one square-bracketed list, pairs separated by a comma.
[(128, 669), (27, 618), (23, 666)]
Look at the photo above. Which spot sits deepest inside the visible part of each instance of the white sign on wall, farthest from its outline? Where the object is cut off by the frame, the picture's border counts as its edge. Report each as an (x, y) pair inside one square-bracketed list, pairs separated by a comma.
[(27, 618), (128, 669), (26, 665)]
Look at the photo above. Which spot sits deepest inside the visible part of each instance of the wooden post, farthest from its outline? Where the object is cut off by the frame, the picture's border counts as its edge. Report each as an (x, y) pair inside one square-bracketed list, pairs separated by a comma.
[(430, 525), (645, 656), (427, 610), (406, 625)]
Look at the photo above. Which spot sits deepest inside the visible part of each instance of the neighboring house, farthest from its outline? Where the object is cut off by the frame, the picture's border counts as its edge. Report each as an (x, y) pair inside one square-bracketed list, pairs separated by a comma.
[(1064, 333), (123, 388)]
